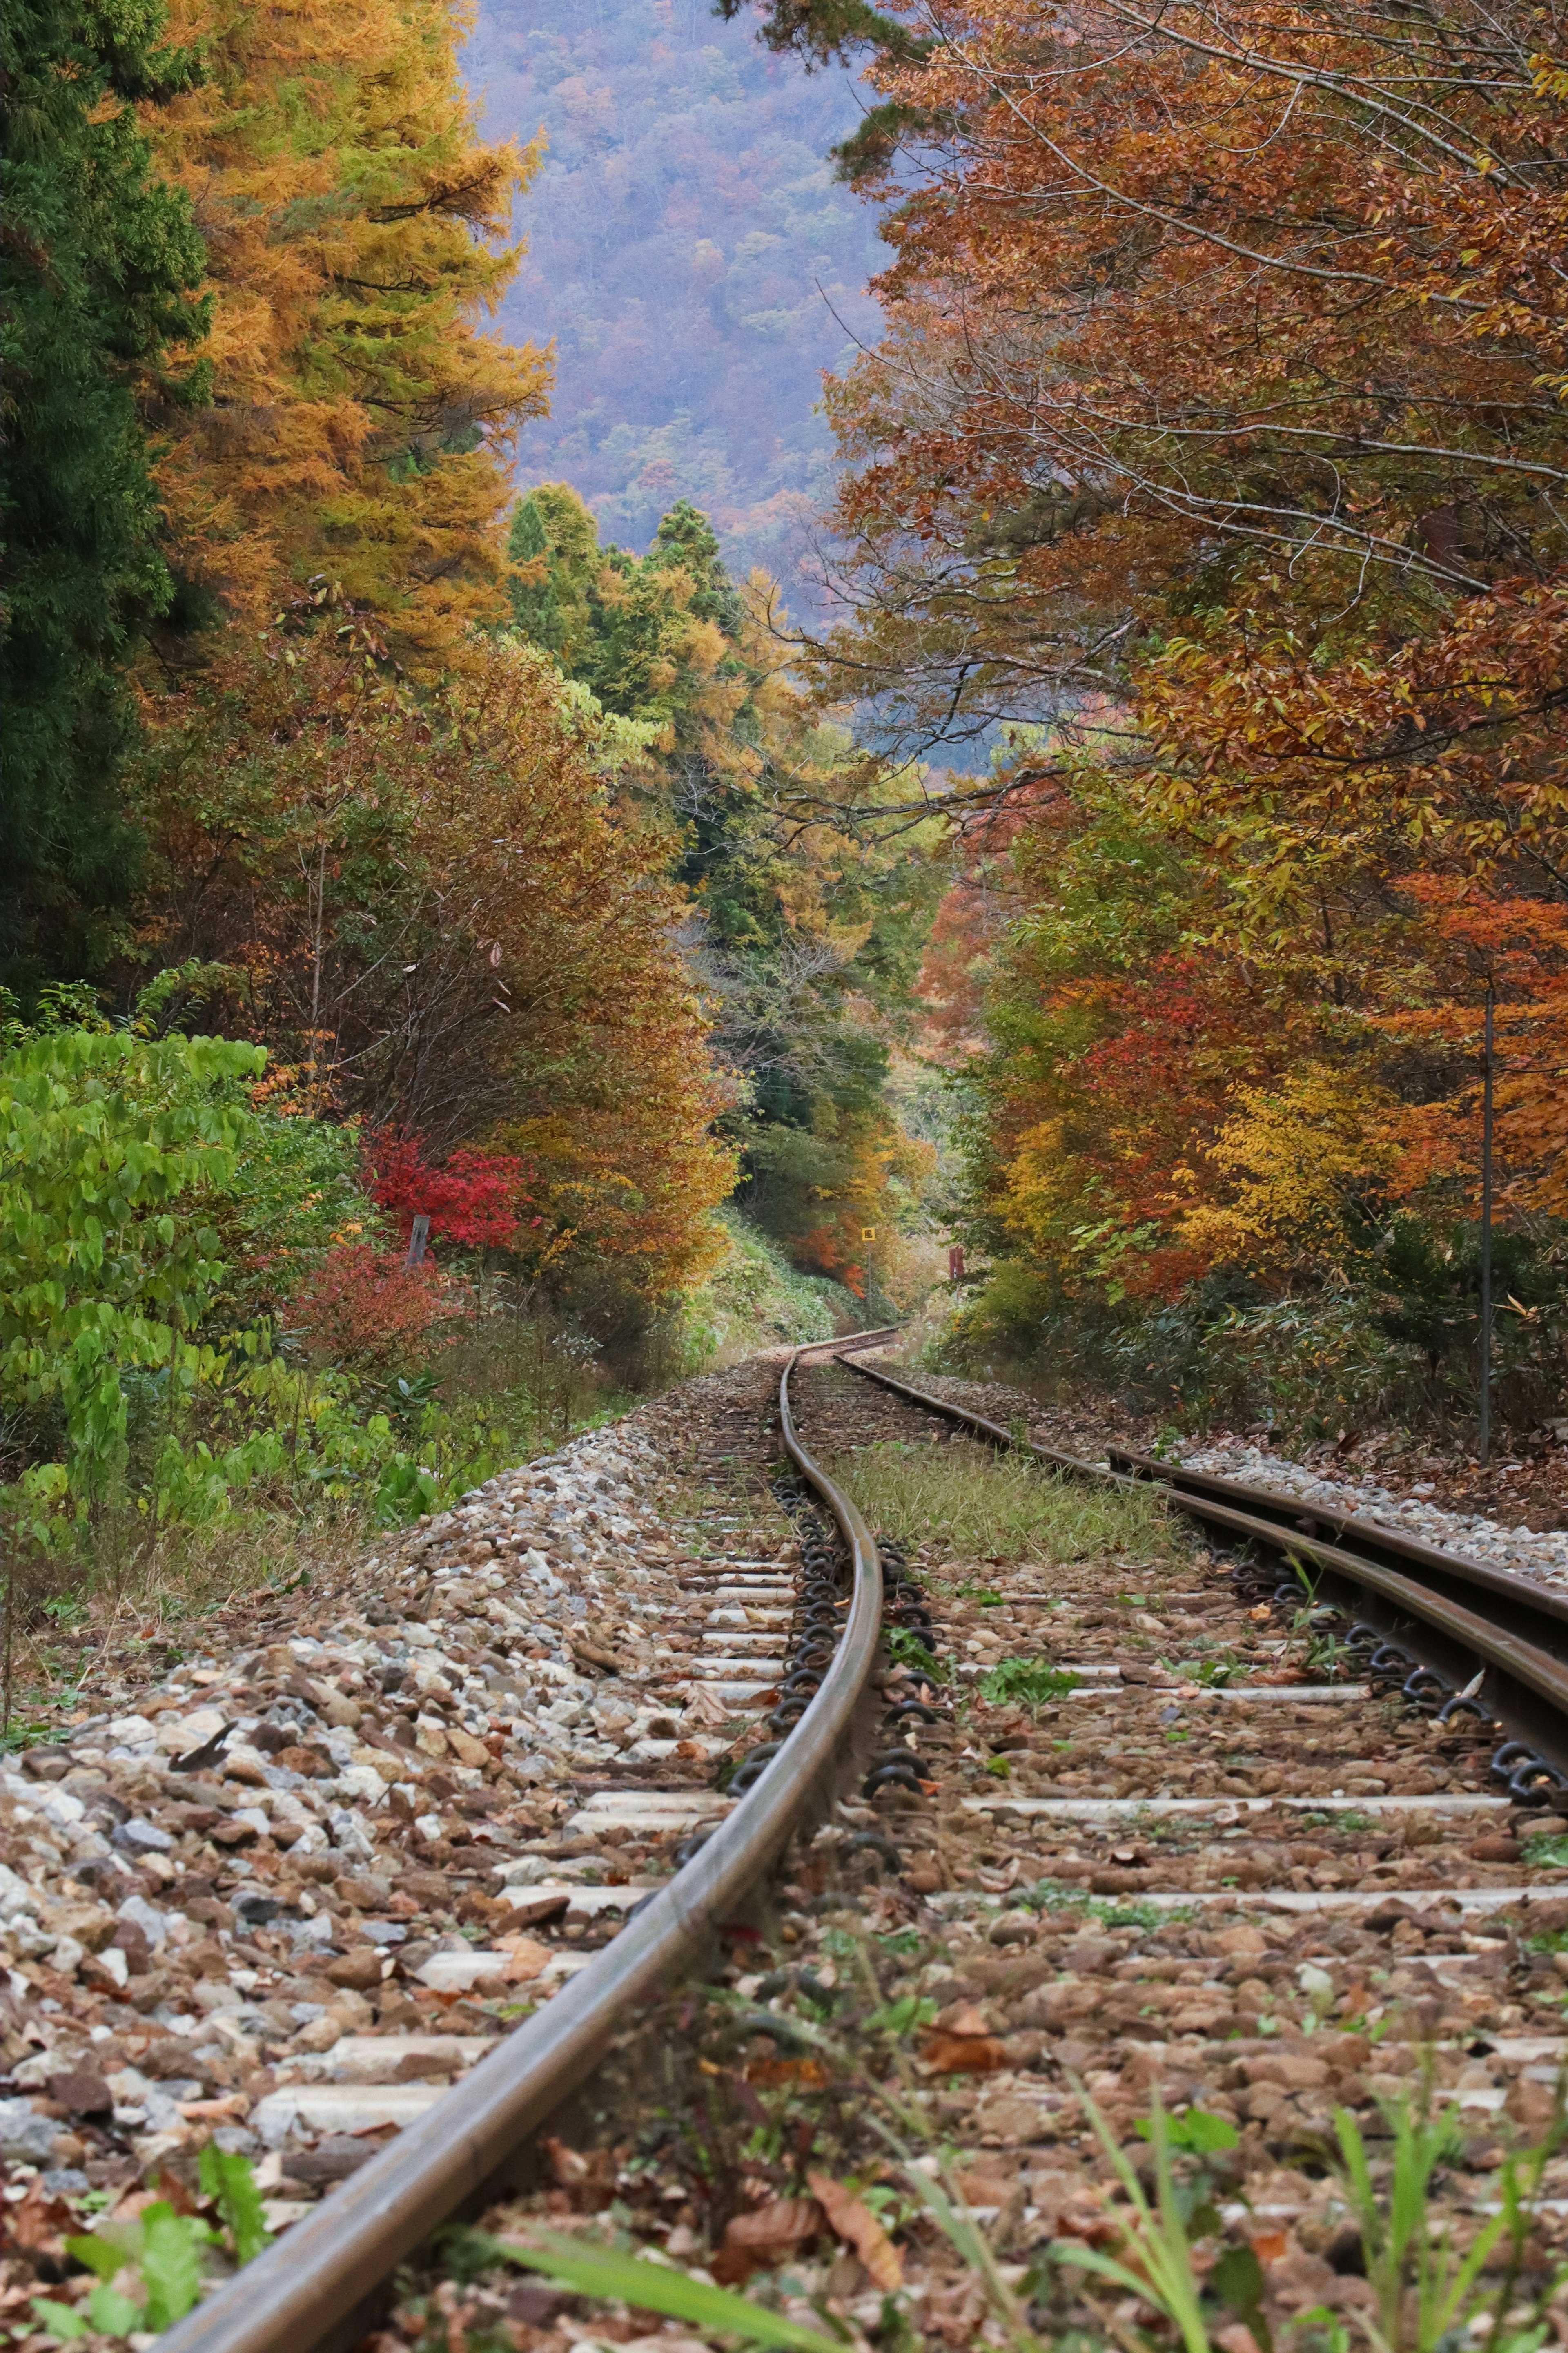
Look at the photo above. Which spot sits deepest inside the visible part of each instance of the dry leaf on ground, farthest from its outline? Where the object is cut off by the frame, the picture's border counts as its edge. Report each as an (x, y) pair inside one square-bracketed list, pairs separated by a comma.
[(856, 2225), (755, 2242)]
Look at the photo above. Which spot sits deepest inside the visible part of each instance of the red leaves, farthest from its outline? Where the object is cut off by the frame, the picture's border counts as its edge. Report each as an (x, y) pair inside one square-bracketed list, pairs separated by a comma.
[(369, 1313), (474, 1199)]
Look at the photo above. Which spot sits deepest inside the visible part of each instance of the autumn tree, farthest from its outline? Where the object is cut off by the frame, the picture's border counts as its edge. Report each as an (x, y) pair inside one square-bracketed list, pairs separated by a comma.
[(98, 268), (357, 233), (810, 934), (444, 919), (1219, 422)]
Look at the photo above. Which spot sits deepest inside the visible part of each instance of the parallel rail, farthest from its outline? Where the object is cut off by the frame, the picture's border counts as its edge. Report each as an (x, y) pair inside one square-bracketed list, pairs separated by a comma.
[(1475, 1620), (314, 2287)]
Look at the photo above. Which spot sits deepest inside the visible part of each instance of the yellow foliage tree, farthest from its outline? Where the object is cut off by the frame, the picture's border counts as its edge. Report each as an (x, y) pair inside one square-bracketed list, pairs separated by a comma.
[(1298, 1156), (355, 228)]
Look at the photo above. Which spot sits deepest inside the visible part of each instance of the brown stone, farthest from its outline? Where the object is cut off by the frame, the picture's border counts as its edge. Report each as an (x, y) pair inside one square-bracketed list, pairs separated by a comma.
[(1292, 2069), (308, 1763), (427, 1886), (170, 2055), (79, 2092), (1241, 1944), (359, 1970), (132, 1940), (1531, 2105), (1493, 1850)]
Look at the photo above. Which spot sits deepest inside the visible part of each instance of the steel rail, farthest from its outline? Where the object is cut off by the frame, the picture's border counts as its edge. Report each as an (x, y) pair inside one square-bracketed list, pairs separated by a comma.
[(302, 2290), (1451, 1572), (1516, 1630)]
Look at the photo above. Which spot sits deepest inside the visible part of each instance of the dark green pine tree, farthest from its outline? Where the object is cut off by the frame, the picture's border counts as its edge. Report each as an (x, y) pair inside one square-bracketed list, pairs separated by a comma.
[(99, 263)]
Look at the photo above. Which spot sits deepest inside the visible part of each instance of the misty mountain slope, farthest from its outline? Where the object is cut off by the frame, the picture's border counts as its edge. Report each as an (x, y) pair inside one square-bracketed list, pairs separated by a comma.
[(690, 248)]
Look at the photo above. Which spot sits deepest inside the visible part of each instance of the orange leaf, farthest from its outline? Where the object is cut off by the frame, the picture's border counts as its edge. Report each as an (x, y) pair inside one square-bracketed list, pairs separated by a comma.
[(854, 2222), (965, 2055)]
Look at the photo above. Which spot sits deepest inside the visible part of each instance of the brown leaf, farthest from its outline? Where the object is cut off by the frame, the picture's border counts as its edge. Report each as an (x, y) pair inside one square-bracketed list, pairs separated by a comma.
[(525, 1958), (804, 2074), (757, 2241), (36, 2222), (589, 2179), (855, 2223), (965, 2055), (701, 1708)]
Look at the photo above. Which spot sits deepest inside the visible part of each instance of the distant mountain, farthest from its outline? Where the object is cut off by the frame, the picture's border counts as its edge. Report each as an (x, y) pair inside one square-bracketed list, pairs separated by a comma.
[(689, 248)]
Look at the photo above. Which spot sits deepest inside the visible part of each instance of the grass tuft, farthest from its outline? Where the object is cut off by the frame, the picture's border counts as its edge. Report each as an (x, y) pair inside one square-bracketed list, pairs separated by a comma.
[(980, 1506)]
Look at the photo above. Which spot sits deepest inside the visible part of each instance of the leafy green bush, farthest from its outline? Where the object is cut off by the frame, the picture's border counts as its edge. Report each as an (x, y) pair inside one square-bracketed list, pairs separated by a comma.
[(164, 1203), (112, 1147)]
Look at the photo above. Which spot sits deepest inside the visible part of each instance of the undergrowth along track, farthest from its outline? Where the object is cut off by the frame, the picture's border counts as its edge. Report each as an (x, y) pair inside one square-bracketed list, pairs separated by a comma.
[(1489, 1644)]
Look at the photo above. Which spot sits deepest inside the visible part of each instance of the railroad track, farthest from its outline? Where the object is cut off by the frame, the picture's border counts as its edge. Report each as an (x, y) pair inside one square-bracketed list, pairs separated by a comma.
[(1487, 1643), (319, 2284), (1144, 1877)]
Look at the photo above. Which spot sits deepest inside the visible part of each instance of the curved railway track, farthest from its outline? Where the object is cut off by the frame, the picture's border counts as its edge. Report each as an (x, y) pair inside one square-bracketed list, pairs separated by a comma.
[(1487, 1643), (1089, 1810), (309, 2288)]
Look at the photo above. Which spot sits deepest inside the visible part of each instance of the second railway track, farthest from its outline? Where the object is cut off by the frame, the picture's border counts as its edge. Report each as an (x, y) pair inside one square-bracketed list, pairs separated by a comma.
[(1091, 1825)]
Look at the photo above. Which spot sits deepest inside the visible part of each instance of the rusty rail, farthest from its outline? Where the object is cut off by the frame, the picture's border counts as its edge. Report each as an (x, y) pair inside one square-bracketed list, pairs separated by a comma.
[(307, 2290)]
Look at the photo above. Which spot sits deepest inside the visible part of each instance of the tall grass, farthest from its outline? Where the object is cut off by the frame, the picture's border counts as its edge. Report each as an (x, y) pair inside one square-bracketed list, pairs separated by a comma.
[(979, 1506)]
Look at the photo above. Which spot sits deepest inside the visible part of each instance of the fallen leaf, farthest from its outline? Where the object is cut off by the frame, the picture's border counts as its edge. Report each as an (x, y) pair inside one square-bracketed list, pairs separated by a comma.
[(965, 2055), (1270, 2245), (804, 2075), (757, 2241), (525, 1958), (855, 2223), (37, 2220)]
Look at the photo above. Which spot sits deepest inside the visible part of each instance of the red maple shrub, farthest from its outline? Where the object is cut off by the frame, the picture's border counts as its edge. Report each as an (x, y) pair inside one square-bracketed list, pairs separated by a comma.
[(364, 1311), (475, 1197)]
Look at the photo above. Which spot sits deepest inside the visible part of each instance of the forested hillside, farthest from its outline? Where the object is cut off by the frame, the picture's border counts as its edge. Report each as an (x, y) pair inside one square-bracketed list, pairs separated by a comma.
[(691, 255)]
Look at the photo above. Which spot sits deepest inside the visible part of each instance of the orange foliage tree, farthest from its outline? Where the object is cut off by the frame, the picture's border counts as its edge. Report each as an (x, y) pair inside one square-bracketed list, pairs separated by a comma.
[(1225, 379), (438, 906), (357, 230)]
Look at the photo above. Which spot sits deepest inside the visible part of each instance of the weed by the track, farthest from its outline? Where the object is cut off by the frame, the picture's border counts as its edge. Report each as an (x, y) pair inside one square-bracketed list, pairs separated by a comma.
[(977, 1507), (1168, 2270), (1029, 1682)]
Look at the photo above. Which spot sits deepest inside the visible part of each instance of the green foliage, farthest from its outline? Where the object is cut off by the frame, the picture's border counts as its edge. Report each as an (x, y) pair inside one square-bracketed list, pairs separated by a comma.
[(1033, 1681), (755, 1298), (1195, 2130), (908, 1649), (659, 2287), (111, 1149), (96, 273), (164, 2247), (226, 2178), (163, 2252), (905, 2016)]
